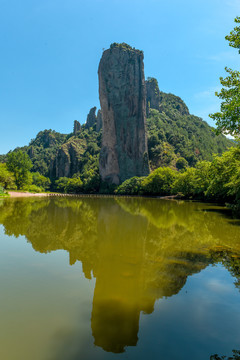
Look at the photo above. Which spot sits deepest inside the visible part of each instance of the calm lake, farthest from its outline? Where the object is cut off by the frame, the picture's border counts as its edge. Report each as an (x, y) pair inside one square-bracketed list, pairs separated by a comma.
[(117, 278)]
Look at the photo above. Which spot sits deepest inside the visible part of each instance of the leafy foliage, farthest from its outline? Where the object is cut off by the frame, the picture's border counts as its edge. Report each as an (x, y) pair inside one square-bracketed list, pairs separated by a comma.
[(20, 164), (173, 135), (234, 36), (2, 191), (181, 163), (159, 182), (61, 184), (42, 182), (42, 150), (124, 46), (228, 119), (75, 185), (131, 186), (6, 177), (218, 180), (223, 176)]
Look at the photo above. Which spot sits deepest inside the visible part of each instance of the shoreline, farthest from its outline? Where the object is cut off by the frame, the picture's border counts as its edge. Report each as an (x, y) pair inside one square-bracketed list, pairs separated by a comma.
[(25, 194), (19, 194), (16, 194)]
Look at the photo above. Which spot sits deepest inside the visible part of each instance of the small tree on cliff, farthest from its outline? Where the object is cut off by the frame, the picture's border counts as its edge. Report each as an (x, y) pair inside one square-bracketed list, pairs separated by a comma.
[(228, 119), (20, 164)]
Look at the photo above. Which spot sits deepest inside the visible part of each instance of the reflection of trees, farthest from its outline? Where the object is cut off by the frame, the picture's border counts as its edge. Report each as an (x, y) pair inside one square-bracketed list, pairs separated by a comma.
[(230, 260), (139, 250), (236, 356)]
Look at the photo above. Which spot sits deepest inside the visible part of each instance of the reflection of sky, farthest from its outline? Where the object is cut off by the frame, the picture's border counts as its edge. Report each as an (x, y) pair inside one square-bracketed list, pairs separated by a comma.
[(203, 319)]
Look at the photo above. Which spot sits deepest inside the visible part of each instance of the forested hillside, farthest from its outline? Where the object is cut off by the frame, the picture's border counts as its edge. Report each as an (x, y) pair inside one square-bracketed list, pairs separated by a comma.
[(173, 133)]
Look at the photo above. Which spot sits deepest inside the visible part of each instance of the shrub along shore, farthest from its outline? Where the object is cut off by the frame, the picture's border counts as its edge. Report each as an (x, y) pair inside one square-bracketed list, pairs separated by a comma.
[(216, 181)]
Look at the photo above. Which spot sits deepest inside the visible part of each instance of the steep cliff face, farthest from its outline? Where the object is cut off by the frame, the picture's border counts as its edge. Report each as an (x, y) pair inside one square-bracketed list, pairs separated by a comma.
[(99, 121), (123, 104)]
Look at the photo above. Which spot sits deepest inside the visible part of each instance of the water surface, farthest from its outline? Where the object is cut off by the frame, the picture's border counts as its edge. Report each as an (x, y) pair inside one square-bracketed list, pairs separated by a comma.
[(126, 278)]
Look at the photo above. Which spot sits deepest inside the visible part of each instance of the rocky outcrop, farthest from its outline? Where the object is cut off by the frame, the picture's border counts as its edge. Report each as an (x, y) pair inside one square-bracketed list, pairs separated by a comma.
[(123, 105), (76, 127), (99, 121), (91, 118), (66, 162), (156, 99), (153, 96)]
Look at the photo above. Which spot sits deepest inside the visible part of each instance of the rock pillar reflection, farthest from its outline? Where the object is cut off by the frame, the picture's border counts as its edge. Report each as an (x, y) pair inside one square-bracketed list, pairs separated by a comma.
[(118, 290)]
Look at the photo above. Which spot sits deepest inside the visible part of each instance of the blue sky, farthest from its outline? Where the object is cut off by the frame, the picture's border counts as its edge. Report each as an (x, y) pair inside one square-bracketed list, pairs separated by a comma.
[(50, 50)]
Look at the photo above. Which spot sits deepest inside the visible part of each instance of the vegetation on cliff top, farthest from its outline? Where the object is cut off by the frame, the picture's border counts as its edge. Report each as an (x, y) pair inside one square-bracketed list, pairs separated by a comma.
[(126, 47)]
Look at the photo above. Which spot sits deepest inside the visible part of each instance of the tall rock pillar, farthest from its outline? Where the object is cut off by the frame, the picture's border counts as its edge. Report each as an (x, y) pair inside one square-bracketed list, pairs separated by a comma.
[(123, 105)]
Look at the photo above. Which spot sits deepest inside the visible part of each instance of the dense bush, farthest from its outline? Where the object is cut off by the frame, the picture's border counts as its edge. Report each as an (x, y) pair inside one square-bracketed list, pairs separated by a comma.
[(193, 182), (20, 165), (159, 182), (6, 177), (181, 163), (131, 186), (218, 180), (223, 175), (41, 181), (33, 188), (90, 183), (74, 186), (61, 184), (185, 183), (2, 191)]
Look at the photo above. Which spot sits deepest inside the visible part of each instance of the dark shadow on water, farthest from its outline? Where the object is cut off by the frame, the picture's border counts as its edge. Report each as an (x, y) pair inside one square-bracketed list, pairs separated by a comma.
[(223, 211), (235, 222)]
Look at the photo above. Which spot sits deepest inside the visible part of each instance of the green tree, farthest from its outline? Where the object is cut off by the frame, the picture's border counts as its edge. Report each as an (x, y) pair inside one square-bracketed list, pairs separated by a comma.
[(181, 163), (186, 183), (41, 181), (74, 186), (2, 192), (159, 182), (20, 164), (228, 119), (6, 177), (223, 175), (131, 186), (61, 184)]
